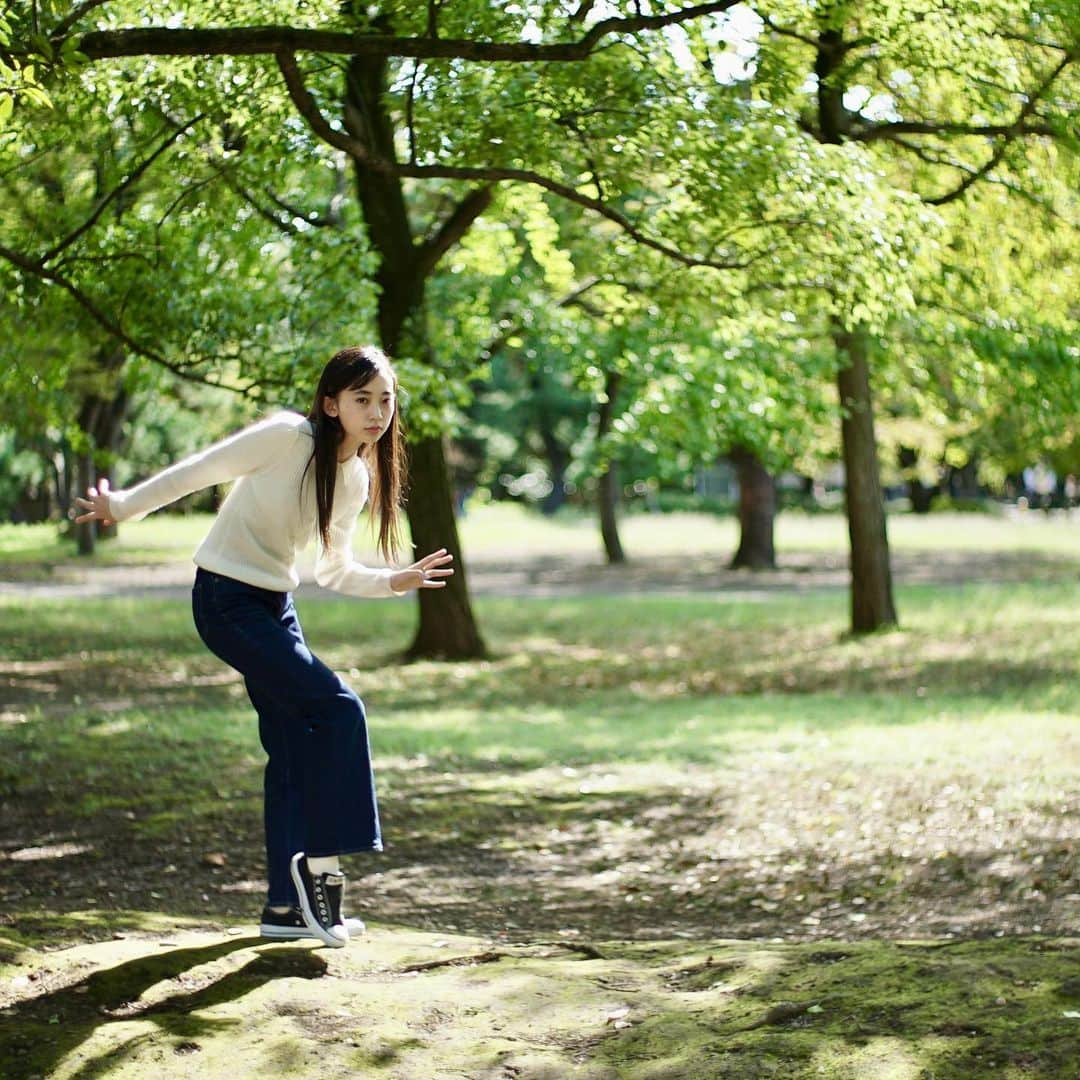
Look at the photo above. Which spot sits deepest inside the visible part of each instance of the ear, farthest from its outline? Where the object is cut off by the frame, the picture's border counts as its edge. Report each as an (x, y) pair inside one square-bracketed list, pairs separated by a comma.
[(330, 406)]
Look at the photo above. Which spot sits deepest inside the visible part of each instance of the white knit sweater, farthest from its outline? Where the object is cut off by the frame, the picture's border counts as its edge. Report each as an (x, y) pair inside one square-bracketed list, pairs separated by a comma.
[(264, 522)]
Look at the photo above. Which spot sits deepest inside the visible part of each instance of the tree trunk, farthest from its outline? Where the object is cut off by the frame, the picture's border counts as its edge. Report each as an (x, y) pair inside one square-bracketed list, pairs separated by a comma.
[(101, 416), (608, 491), (757, 512), (447, 627), (871, 578), (920, 494), (557, 454), (872, 606), (86, 532)]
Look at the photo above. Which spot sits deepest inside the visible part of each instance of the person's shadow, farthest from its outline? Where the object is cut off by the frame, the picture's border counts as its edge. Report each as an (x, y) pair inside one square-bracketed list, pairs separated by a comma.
[(38, 1033)]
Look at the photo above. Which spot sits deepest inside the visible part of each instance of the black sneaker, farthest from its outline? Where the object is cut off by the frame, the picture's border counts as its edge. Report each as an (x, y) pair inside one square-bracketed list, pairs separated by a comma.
[(320, 902), (290, 926)]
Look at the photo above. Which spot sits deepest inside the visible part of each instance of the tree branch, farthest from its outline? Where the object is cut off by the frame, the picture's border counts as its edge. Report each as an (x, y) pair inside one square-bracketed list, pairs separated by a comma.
[(498, 343), (973, 176), (409, 123), (331, 218), (267, 40), (433, 18), (1006, 139), (114, 329), (84, 8), (889, 129), (1042, 43), (1019, 126), (308, 108), (453, 228), (582, 12), (126, 183), (784, 32)]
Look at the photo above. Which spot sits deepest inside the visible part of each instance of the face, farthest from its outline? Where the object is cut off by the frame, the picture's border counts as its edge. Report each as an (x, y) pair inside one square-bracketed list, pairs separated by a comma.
[(364, 411)]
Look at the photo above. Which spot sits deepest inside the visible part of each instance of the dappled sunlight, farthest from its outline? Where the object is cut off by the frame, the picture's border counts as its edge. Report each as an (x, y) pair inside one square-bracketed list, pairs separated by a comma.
[(656, 653), (882, 1058), (47, 851), (715, 784), (773, 844)]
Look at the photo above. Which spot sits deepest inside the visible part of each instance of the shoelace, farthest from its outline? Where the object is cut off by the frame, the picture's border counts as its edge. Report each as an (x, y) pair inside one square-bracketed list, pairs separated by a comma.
[(322, 900)]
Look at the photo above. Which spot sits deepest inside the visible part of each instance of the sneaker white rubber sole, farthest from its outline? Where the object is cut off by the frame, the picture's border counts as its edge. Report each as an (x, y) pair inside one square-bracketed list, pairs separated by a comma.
[(355, 927)]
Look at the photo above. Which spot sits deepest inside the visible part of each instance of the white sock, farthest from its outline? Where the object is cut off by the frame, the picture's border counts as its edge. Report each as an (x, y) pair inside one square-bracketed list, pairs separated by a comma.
[(329, 864)]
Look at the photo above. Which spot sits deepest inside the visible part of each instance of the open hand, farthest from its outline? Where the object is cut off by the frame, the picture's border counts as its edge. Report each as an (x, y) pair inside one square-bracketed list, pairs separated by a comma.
[(96, 505), (430, 572)]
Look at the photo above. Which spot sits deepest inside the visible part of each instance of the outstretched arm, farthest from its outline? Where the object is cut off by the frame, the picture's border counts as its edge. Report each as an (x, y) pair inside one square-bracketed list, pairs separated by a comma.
[(235, 456)]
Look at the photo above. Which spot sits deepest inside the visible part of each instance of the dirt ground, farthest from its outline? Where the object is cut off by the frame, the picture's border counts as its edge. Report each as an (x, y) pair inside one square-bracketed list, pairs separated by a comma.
[(540, 576)]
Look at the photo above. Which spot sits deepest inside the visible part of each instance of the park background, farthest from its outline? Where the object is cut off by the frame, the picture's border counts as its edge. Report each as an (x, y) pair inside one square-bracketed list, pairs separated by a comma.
[(739, 356)]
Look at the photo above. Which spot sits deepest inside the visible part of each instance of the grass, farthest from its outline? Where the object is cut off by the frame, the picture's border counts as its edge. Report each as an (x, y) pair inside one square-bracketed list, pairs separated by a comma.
[(501, 530), (786, 852)]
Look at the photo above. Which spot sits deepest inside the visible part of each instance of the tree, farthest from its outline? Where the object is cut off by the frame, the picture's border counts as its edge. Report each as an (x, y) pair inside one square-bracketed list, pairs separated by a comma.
[(120, 273), (943, 97), (368, 130), (988, 359)]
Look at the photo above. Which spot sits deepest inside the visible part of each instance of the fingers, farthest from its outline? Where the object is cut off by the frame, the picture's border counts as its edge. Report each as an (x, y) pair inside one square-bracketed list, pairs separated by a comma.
[(436, 558), (96, 507), (93, 515), (432, 570)]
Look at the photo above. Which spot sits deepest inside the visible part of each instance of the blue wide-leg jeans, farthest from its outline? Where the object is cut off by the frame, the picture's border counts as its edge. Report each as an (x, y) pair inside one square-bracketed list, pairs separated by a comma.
[(319, 787)]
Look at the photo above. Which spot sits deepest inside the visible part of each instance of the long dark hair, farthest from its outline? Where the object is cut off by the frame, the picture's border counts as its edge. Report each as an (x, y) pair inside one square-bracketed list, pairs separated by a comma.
[(350, 369)]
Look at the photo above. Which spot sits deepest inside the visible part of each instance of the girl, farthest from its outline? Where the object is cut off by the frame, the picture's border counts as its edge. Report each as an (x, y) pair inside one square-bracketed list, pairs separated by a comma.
[(297, 477)]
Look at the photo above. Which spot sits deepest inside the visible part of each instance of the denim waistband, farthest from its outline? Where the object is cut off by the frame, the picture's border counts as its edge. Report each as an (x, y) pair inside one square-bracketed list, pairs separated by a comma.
[(222, 580)]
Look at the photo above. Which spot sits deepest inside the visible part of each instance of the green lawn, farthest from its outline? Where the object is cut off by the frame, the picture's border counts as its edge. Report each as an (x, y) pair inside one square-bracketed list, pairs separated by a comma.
[(786, 852), (507, 530)]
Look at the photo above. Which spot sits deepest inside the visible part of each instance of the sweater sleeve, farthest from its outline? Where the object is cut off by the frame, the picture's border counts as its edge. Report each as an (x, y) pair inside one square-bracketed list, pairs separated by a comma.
[(335, 567), (242, 453)]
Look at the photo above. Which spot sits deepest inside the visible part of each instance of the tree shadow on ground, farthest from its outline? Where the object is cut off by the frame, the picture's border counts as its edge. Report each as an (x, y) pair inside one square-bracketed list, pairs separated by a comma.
[(37, 1033), (515, 861), (955, 1009)]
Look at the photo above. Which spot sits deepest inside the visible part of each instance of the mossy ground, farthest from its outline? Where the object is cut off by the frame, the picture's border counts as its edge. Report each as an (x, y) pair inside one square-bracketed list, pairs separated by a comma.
[(788, 853), (405, 1004)]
